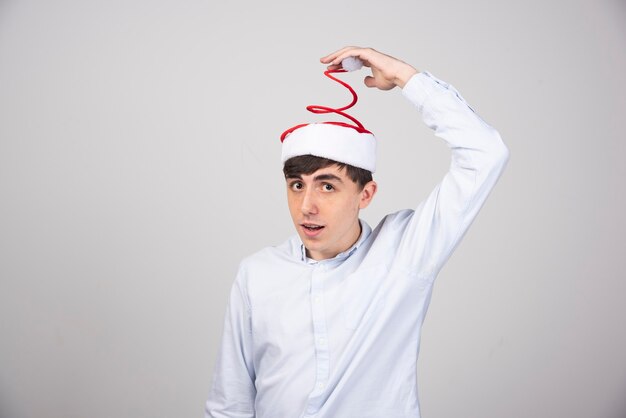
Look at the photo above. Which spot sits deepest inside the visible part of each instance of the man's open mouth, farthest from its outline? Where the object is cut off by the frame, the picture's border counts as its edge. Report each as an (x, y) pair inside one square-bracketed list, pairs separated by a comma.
[(312, 227), (312, 230)]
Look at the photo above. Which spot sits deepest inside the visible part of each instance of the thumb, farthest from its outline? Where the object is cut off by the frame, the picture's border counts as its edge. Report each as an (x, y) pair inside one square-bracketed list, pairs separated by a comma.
[(370, 81)]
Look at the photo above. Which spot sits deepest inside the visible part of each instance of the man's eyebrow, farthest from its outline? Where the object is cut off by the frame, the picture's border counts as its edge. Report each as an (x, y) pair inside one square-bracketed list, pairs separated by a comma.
[(323, 177), (293, 176)]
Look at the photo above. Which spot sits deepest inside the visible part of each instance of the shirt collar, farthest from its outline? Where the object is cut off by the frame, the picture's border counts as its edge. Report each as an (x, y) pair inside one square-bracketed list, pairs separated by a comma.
[(366, 230)]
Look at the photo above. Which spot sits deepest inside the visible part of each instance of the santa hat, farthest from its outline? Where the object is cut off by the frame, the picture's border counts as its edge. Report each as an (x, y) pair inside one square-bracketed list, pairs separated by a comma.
[(348, 143)]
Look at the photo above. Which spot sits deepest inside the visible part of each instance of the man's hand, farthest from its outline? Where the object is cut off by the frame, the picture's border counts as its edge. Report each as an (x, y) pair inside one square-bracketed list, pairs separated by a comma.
[(387, 71)]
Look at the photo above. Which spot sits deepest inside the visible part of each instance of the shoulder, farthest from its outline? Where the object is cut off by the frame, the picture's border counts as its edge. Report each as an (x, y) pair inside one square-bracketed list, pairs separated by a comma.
[(385, 240), (396, 221), (268, 270), (269, 259)]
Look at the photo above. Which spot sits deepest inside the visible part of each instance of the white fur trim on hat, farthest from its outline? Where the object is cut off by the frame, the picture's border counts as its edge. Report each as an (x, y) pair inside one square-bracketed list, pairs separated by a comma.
[(339, 143)]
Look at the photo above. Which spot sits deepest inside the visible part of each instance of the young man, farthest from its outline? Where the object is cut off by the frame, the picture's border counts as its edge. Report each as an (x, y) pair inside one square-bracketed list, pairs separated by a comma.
[(328, 323)]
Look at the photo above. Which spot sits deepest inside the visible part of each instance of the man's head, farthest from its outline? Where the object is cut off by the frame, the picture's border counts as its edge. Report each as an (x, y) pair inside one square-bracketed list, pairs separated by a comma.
[(324, 199), (328, 167)]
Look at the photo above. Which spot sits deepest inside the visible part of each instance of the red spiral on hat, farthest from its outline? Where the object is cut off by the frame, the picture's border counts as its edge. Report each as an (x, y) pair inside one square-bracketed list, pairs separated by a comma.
[(318, 109)]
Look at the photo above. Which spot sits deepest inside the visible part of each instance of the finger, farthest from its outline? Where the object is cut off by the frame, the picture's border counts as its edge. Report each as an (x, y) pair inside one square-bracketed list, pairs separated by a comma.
[(340, 65), (362, 53), (369, 81), (331, 57), (354, 51)]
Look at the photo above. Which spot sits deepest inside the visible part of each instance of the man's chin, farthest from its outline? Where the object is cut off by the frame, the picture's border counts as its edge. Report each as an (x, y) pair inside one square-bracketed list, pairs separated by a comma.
[(311, 243)]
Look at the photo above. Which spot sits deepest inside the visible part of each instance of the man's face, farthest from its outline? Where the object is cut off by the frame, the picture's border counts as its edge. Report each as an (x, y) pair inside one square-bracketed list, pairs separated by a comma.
[(325, 208)]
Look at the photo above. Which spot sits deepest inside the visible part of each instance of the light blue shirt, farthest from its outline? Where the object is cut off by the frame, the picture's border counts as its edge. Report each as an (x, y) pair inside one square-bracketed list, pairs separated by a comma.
[(339, 338)]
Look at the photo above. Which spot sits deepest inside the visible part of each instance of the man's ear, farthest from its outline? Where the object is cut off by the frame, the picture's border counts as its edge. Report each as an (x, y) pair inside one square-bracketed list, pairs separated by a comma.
[(367, 194)]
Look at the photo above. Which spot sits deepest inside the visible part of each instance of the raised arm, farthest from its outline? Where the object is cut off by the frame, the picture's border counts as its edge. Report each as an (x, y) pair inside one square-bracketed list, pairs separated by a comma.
[(433, 230)]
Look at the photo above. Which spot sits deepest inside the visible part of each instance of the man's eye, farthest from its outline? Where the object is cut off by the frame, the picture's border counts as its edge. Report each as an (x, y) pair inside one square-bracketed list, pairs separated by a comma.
[(328, 188), (296, 185)]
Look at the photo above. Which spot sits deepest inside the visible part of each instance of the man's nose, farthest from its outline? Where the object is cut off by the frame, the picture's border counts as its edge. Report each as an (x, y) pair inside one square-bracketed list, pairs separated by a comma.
[(309, 202)]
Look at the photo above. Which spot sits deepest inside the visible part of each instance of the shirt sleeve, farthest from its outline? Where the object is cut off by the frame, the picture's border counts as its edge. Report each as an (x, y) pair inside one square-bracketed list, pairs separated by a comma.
[(233, 391), (434, 229)]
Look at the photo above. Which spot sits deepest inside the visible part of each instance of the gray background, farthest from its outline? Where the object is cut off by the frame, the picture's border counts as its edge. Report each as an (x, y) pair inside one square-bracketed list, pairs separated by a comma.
[(139, 162)]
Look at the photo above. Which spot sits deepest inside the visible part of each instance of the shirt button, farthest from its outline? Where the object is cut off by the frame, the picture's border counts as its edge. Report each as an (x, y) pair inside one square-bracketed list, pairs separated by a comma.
[(317, 299), (322, 340), (320, 386)]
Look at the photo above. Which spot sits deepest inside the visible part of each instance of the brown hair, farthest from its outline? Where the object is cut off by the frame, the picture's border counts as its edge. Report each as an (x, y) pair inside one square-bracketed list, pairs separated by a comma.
[(308, 164)]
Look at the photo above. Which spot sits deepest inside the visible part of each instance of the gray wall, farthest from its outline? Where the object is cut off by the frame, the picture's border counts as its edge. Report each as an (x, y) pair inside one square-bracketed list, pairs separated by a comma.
[(139, 161)]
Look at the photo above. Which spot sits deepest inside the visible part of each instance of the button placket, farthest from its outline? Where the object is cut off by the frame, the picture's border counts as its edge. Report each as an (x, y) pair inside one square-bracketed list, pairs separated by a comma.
[(320, 335)]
